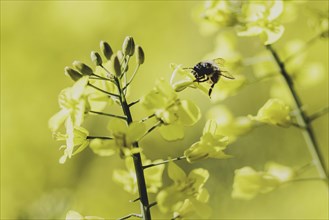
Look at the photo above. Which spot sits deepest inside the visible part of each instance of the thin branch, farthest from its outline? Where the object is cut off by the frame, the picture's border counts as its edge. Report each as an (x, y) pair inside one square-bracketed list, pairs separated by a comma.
[(164, 162), (103, 91), (132, 77), (133, 103), (151, 129), (110, 115), (301, 117), (302, 169), (307, 179), (153, 204), (110, 75), (318, 114), (99, 137), (130, 215), (101, 78), (135, 200), (148, 117)]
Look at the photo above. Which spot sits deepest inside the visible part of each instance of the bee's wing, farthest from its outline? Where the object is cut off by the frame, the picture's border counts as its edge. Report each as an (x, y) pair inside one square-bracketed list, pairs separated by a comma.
[(219, 61), (226, 74)]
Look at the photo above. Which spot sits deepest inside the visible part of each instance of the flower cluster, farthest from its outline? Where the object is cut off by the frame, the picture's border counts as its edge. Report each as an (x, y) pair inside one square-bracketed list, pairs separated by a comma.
[(248, 183), (73, 104), (211, 145), (76, 140), (92, 91), (172, 112), (122, 139), (274, 112), (186, 194), (249, 18), (127, 178)]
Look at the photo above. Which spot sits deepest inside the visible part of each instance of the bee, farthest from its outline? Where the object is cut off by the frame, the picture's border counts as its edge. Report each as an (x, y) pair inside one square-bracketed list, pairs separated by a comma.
[(210, 71)]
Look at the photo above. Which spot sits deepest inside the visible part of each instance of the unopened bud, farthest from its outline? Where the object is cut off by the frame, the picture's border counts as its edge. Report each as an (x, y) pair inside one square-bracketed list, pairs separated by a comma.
[(96, 58), (181, 85), (83, 68), (128, 46), (140, 57), (116, 66), (73, 74), (106, 50)]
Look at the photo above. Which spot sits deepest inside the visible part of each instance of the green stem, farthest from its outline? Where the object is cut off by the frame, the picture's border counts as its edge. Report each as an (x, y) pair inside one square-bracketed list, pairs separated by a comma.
[(146, 214), (318, 114), (131, 79), (148, 117), (164, 162), (151, 129), (101, 78), (306, 179), (133, 103), (103, 91), (301, 117), (107, 114), (130, 215)]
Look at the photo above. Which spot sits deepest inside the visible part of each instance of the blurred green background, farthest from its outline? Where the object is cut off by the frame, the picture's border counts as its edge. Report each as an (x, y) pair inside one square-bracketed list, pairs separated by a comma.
[(38, 39)]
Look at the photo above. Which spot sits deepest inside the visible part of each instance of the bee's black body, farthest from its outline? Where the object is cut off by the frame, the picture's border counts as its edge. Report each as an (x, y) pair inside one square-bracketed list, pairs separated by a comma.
[(207, 71)]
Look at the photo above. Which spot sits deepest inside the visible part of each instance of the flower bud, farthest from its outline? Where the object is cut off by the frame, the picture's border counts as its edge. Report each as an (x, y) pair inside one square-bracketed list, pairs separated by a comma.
[(128, 46), (116, 68), (181, 85), (83, 68), (140, 57), (106, 50), (73, 74), (96, 58), (120, 55)]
